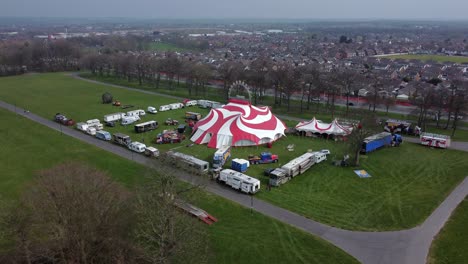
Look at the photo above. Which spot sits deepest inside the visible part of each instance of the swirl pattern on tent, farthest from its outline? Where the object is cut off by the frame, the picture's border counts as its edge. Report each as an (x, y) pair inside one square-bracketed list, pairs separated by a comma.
[(238, 124)]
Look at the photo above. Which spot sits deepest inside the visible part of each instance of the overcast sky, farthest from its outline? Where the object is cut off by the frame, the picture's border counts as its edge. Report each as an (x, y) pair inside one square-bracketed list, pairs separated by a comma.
[(311, 9)]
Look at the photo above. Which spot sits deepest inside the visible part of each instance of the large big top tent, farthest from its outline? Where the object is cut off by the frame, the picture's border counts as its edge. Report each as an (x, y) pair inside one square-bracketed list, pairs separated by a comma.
[(238, 124), (317, 126)]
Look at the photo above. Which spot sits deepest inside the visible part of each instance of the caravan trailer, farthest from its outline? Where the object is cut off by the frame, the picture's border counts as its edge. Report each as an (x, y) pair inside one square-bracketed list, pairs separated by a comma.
[(138, 113), (200, 165), (164, 108), (435, 140), (113, 117), (299, 165), (239, 181), (146, 126), (137, 147), (127, 120), (176, 106)]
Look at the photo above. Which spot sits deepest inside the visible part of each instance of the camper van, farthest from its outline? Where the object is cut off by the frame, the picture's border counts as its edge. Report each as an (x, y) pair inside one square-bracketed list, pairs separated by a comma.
[(113, 117), (176, 106), (239, 181), (103, 135), (151, 152), (127, 120), (91, 131), (82, 126), (164, 108), (146, 126), (151, 110), (137, 147), (121, 139), (138, 113)]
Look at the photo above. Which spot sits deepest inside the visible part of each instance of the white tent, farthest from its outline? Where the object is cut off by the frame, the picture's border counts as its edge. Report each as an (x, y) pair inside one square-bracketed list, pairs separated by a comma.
[(317, 126)]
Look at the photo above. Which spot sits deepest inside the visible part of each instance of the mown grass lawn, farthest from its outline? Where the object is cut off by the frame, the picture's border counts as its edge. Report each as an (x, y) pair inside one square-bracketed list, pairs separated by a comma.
[(407, 183), (240, 236), (427, 57), (450, 245), (162, 46)]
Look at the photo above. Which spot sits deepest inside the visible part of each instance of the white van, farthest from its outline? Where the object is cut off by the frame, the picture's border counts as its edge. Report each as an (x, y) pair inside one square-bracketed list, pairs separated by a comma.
[(127, 120), (151, 110), (164, 108), (137, 147), (176, 106)]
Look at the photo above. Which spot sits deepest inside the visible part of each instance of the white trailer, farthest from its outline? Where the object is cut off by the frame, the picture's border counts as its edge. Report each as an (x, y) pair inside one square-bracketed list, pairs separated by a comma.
[(434, 140), (127, 120), (239, 181), (137, 147), (91, 131), (204, 103), (299, 165), (191, 103), (113, 117), (176, 106), (320, 156), (82, 126), (164, 108), (138, 113)]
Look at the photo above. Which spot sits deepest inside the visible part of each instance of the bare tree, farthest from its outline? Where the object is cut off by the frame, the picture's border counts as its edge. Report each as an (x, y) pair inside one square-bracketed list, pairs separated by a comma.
[(367, 126), (167, 233), (73, 214)]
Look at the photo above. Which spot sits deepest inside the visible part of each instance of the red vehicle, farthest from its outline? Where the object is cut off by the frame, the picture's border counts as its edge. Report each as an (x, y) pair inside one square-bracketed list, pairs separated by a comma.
[(265, 157), (169, 137), (59, 118)]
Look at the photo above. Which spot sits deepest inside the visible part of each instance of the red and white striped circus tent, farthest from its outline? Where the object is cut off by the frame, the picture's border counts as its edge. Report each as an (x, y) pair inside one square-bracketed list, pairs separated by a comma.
[(317, 126), (238, 124)]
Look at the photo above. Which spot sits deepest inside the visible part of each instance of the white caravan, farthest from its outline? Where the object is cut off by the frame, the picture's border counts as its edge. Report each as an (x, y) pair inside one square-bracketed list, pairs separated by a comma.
[(138, 112), (137, 147), (191, 103), (113, 117), (176, 106), (127, 120), (82, 126), (239, 181), (164, 108), (91, 131)]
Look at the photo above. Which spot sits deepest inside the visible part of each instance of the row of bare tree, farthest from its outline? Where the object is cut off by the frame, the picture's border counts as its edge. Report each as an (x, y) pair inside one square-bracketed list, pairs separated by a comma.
[(73, 213)]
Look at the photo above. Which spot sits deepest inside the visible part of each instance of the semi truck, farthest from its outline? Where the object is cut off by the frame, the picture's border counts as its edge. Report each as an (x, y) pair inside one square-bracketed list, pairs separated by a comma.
[(221, 156), (239, 181), (376, 141)]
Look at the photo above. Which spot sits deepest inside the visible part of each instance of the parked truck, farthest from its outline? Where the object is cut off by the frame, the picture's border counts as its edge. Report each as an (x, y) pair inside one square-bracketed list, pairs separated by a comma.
[(221, 156), (121, 139), (146, 126), (376, 141), (264, 158), (239, 181), (299, 165)]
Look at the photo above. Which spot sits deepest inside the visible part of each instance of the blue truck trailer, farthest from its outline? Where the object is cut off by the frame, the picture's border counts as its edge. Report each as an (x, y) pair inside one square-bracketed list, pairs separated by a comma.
[(376, 141)]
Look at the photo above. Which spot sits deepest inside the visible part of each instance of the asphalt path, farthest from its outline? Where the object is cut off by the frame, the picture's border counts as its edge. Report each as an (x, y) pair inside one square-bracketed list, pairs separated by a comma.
[(407, 246)]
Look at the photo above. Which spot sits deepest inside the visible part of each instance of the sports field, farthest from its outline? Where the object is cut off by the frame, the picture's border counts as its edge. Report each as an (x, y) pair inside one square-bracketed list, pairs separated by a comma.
[(425, 57)]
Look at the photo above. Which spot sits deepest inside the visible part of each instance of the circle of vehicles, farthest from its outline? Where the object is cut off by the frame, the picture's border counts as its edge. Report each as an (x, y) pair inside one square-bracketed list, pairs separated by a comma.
[(234, 176)]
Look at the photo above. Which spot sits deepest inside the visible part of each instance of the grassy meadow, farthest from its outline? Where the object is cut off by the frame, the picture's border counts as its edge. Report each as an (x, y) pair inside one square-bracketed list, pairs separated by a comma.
[(407, 183), (240, 236)]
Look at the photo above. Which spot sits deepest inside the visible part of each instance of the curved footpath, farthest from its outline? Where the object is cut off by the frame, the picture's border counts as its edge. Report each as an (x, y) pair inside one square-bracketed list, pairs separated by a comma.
[(407, 246)]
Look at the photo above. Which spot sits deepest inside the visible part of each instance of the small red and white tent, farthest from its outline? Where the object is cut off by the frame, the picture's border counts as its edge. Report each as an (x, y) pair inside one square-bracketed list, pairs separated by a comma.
[(317, 126), (238, 124)]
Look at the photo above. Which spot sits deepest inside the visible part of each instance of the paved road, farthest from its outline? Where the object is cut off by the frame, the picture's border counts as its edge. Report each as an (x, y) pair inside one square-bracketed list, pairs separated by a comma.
[(406, 246)]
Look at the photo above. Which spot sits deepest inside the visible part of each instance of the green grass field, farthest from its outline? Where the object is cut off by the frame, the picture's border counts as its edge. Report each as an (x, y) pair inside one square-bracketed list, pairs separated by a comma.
[(161, 46), (240, 236), (424, 57), (449, 245), (407, 183)]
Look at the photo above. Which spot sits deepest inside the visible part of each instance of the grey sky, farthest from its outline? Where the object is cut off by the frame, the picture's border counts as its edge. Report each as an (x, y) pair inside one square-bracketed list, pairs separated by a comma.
[(312, 9)]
